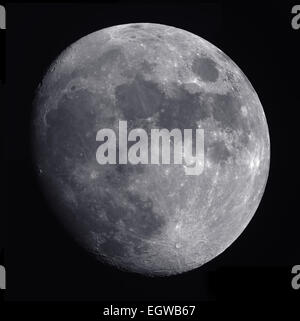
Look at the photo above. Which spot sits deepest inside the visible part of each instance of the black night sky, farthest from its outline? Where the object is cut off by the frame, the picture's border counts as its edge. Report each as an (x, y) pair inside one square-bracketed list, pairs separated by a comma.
[(43, 263)]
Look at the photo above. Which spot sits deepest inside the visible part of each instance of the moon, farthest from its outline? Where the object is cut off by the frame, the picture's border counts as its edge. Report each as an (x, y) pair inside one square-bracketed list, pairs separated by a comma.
[(150, 219)]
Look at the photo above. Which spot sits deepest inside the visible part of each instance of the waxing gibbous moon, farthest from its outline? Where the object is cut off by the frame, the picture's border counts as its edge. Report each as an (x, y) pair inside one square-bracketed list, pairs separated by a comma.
[(150, 219)]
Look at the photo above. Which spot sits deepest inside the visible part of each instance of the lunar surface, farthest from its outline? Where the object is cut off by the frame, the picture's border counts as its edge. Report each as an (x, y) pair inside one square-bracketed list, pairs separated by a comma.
[(150, 219)]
